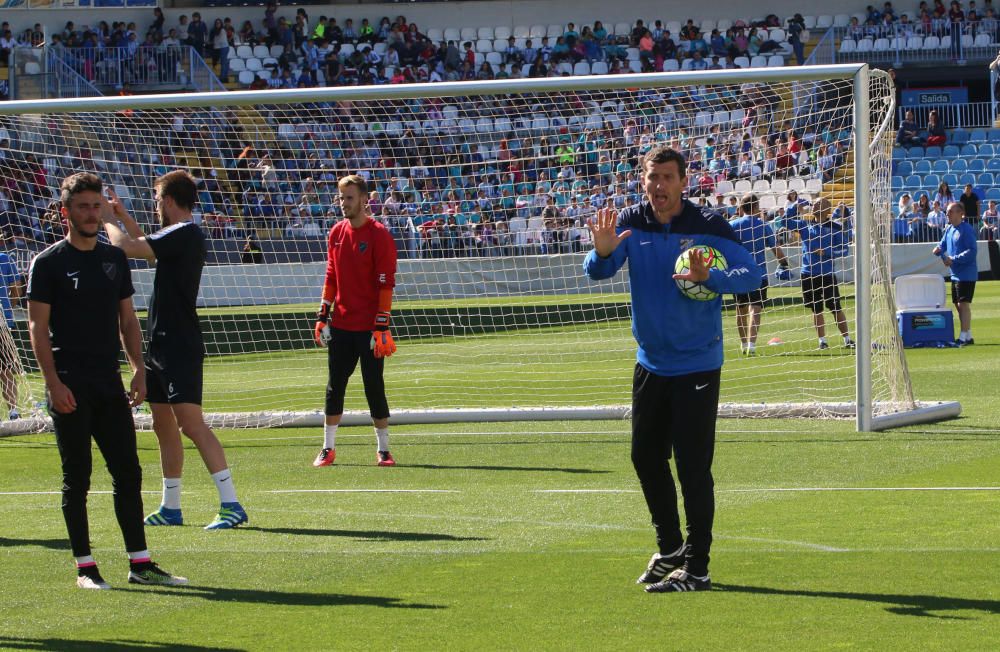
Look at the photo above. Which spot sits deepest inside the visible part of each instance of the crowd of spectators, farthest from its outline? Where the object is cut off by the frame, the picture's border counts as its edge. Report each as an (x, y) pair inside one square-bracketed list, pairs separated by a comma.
[(929, 19)]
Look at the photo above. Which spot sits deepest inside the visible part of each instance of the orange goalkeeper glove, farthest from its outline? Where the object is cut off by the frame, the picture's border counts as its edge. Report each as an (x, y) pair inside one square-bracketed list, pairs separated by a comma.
[(382, 343), (322, 331)]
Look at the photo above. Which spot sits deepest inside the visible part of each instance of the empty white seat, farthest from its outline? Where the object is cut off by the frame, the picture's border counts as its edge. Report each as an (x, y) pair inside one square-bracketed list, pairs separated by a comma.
[(848, 45), (484, 45), (707, 25), (469, 34), (915, 43), (635, 66), (768, 202), (238, 65), (674, 27), (702, 119), (452, 34), (537, 31), (809, 22), (246, 77), (758, 61), (623, 29), (946, 41), (244, 52), (982, 40), (824, 22), (744, 62), (737, 115), (932, 43), (814, 186), (500, 44), (967, 40), (261, 51), (742, 186), (864, 45), (720, 117), (467, 125), (880, 45), (777, 34), (722, 26), (379, 48), (269, 62), (254, 64), (842, 20), (581, 68), (775, 61), (485, 32), (521, 43), (346, 49), (502, 125), (277, 50), (502, 32), (232, 53), (263, 74), (434, 34), (632, 54), (484, 125), (724, 187), (555, 31), (761, 186), (494, 58), (521, 31), (480, 58), (796, 184), (670, 65), (779, 185), (564, 66)]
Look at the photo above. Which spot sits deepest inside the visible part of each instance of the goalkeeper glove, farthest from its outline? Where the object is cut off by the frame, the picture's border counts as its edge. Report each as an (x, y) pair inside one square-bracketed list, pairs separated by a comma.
[(382, 343), (322, 331), (783, 274)]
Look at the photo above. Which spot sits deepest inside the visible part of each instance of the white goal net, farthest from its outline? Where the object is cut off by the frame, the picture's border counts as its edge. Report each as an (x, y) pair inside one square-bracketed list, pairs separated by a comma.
[(487, 188)]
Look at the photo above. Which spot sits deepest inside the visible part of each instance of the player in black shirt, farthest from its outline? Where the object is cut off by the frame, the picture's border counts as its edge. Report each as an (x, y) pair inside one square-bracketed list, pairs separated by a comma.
[(175, 352), (79, 303)]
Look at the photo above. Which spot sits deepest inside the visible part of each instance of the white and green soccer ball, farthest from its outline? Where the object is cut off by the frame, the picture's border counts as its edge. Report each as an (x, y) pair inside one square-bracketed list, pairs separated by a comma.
[(690, 289)]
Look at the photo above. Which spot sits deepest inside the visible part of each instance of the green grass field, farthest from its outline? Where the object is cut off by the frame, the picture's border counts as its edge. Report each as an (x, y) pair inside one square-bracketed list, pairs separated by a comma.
[(530, 536)]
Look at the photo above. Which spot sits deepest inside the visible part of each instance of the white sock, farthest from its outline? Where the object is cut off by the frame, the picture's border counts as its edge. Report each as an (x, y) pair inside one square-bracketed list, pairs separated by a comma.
[(964, 335), (382, 434), (224, 483), (172, 493), (822, 340), (751, 347), (139, 555), (330, 436), (847, 338), (86, 560)]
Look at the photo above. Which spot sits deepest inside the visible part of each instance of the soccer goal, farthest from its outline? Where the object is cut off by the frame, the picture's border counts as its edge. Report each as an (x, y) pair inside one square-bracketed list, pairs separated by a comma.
[(487, 188)]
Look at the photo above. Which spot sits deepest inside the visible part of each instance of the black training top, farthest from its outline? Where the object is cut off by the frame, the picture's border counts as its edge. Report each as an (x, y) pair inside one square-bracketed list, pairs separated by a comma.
[(173, 320), (84, 289)]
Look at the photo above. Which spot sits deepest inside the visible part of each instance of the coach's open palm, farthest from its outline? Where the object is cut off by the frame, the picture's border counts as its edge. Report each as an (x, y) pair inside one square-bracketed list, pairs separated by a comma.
[(602, 232), (697, 267)]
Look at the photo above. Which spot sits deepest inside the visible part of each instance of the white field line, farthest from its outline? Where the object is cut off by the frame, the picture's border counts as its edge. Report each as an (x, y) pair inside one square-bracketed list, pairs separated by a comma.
[(363, 491), (544, 491)]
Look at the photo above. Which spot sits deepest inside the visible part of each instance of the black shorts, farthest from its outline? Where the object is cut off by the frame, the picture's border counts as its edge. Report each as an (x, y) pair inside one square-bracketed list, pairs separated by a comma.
[(756, 297), (962, 291), (818, 291), (345, 350), (178, 381)]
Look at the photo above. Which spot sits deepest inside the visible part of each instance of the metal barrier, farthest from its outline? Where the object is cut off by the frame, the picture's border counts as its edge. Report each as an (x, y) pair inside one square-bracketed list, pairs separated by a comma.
[(897, 44), (971, 114)]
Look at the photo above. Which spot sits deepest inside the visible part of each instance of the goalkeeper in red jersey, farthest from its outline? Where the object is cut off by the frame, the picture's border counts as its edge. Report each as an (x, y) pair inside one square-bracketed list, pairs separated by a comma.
[(353, 319)]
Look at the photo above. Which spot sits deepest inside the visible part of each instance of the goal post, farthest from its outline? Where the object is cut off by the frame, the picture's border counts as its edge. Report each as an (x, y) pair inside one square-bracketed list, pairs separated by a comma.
[(487, 187)]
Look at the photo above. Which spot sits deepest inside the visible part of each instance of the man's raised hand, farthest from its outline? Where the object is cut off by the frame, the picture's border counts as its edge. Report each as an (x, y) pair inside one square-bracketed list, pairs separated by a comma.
[(602, 232)]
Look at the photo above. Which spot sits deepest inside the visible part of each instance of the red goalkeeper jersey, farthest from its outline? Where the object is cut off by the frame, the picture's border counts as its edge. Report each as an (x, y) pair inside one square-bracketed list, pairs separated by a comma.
[(360, 263)]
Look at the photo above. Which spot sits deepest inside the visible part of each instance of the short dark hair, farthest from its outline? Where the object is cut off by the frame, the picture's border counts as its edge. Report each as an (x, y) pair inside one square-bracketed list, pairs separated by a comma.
[(180, 186), (664, 154), (749, 204), (355, 180), (77, 183)]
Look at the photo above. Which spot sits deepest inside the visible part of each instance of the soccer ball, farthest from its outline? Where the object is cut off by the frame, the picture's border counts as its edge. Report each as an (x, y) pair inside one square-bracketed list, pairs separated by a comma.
[(690, 289)]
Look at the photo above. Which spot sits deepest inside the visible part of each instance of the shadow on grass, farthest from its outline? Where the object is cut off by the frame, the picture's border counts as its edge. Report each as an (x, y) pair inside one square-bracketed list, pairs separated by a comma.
[(903, 605), (365, 535), (69, 645), (286, 598), (51, 544)]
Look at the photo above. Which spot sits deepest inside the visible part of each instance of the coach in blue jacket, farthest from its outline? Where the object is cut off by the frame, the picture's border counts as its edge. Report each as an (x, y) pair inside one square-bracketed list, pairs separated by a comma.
[(958, 250), (675, 389)]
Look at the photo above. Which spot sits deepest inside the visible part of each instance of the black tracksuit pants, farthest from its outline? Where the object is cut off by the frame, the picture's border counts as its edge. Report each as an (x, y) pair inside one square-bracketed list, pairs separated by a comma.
[(675, 415)]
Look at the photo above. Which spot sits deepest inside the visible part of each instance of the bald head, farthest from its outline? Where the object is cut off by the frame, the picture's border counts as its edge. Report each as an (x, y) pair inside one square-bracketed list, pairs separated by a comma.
[(822, 209), (955, 213)]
